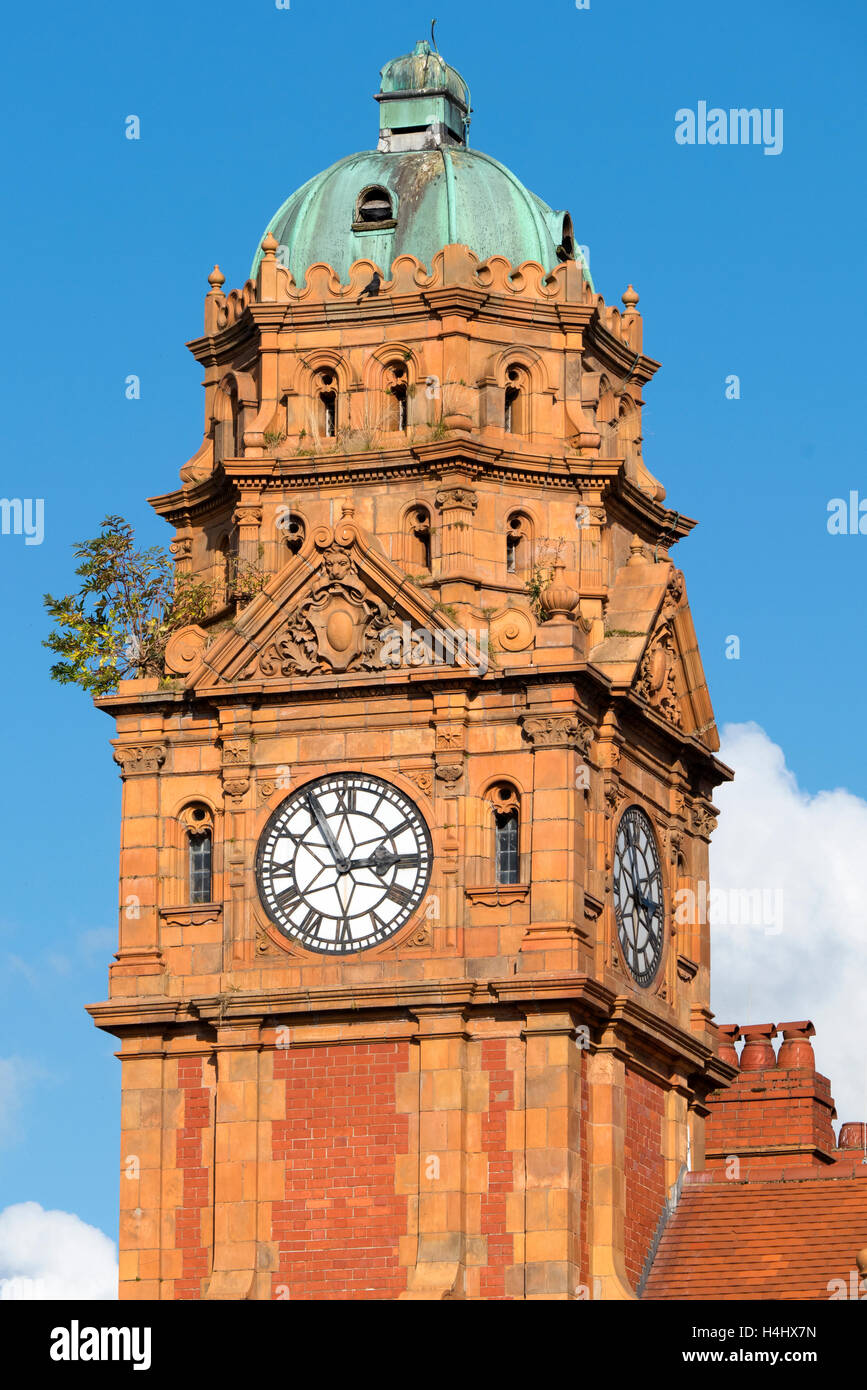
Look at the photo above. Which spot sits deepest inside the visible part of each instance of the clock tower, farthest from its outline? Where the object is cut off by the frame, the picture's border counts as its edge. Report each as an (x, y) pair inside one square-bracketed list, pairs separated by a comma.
[(407, 1003)]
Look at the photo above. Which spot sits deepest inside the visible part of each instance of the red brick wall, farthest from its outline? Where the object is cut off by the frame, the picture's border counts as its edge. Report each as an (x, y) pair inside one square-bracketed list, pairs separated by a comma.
[(338, 1227), (190, 1159), (501, 1245), (645, 1173), (766, 1109)]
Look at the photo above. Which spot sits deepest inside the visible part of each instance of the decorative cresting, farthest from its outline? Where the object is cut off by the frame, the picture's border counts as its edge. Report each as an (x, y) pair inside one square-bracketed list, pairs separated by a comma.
[(455, 263), (457, 505), (558, 731), (139, 757), (338, 626), (657, 682)]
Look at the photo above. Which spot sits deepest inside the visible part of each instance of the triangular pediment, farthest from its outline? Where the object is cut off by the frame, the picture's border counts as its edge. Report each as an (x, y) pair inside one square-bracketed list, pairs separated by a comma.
[(650, 647), (338, 608)]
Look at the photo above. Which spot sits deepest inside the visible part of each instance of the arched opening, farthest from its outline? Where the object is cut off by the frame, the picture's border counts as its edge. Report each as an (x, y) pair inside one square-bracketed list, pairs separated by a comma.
[(515, 405), (374, 206), (326, 400), (199, 826), (505, 803), (417, 538), (518, 543), (566, 249), (294, 531), (397, 398)]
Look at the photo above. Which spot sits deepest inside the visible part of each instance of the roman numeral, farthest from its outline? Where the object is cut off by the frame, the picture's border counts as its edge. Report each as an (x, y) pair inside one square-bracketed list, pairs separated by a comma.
[(347, 800), (312, 922), (288, 899), (403, 896), (343, 932)]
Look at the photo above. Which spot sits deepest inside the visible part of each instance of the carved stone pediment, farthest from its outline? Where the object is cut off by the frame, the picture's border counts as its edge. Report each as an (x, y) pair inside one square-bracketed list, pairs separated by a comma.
[(337, 627), (339, 606)]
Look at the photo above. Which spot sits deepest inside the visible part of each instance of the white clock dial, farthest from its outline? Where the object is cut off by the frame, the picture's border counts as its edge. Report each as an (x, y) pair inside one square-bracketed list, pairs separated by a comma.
[(343, 863), (638, 896)]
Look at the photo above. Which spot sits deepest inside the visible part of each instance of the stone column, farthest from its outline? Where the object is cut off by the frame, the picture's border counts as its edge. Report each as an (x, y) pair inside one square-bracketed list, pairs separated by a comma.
[(140, 754), (557, 874), (552, 1116), (236, 1167), (442, 1172), (606, 1078), (457, 506), (247, 516)]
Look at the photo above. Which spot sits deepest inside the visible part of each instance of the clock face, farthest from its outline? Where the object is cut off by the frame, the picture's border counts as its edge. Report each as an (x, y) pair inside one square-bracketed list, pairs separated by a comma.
[(343, 863), (639, 905)]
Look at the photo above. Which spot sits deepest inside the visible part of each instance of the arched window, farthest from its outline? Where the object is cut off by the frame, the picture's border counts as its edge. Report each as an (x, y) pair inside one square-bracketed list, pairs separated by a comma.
[(198, 823), (326, 403), (374, 206), (507, 824), (417, 537), (515, 410), (518, 543), (397, 401)]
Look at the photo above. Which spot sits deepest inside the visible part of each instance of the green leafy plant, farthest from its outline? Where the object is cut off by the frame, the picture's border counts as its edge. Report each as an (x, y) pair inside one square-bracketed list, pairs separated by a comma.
[(116, 625)]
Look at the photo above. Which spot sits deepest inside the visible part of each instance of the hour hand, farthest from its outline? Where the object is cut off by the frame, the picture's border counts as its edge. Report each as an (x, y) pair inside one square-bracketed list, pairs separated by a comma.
[(383, 859), (648, 904), (321, 820)]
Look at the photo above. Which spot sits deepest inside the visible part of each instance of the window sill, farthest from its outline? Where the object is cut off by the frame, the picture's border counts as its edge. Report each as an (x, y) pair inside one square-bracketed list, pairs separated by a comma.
[(190, 913), (498, 894)]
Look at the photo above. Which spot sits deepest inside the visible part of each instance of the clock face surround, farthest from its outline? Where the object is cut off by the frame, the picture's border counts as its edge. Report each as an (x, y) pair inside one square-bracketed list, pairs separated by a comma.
[(639, 902), (343, 863)]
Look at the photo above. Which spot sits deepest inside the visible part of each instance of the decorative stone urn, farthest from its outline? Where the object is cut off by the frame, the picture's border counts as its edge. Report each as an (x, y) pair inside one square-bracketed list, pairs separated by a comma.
[(558, 598)]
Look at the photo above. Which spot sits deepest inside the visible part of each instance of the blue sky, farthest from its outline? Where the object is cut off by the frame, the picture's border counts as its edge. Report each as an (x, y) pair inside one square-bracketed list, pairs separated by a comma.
[(746, 264)]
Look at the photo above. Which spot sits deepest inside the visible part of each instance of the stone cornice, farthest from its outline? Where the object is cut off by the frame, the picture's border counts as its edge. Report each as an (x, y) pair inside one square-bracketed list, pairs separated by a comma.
[(627, 1027)]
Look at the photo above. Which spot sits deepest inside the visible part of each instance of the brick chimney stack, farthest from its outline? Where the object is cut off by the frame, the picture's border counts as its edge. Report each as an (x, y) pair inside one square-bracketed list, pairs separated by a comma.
[(779, 1110)]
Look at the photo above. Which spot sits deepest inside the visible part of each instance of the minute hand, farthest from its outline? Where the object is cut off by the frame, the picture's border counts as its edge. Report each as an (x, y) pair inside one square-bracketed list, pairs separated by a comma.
[(322, 821)]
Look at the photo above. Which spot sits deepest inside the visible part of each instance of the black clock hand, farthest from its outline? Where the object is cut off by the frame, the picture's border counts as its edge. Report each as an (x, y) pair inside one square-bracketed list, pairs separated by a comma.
[(636, 896), (381, 861), (321, 820)]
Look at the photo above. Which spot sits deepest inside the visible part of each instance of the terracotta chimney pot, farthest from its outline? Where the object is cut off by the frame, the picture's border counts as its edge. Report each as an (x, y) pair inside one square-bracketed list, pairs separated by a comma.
[(852, 1136), (729, 1034), (796, 1049), (758, 1049)]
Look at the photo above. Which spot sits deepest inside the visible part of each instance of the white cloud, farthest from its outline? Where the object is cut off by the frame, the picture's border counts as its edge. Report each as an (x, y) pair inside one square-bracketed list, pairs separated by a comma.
[(54, 1254), (772, 835)]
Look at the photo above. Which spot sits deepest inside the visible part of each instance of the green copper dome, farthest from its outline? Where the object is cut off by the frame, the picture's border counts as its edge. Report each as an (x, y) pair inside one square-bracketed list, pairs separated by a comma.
[(421, 189)]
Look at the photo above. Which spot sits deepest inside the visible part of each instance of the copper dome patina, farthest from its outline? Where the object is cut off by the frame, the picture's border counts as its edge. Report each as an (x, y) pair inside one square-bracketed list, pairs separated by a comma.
[(420, 190)]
